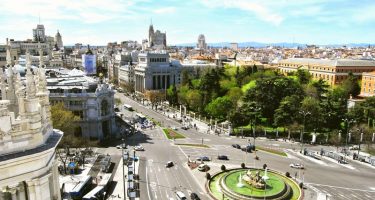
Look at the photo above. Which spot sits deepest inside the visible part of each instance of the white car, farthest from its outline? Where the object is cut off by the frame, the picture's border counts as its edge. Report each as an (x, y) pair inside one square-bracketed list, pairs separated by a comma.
[(297, 166), (139, 148)]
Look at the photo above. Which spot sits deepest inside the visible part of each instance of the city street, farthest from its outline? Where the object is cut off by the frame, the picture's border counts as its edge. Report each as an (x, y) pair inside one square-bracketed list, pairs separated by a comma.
[(323, 177)]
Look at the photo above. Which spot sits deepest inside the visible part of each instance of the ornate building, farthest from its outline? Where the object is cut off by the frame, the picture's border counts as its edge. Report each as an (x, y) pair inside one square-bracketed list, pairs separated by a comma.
[(28, 168), (201, 42), (58, 40), (156, 39)]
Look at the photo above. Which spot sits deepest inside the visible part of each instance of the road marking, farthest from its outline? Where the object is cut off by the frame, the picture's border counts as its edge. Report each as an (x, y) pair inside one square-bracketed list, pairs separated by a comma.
[(147, 183), (159, 169), (345, 188)]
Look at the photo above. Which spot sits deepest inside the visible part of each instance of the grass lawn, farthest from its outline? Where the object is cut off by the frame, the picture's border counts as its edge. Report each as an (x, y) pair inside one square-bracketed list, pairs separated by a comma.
[(277, 152), (274, 185), (171, 134), (195, 145)]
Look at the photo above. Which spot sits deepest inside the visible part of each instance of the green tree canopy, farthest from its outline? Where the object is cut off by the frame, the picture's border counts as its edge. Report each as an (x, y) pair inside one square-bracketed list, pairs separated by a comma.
[(219, 107)]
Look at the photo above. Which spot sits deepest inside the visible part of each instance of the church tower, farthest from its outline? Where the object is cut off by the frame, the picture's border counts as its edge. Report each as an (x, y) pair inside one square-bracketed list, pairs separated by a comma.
[(151, 35), (58, 40)]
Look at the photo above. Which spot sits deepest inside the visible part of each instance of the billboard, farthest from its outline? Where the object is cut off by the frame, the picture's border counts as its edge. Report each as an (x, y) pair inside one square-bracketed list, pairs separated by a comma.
[(89, 63)]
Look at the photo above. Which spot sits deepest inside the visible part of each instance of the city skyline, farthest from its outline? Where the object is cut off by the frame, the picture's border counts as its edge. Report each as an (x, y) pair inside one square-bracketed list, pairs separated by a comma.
[(307, 22)]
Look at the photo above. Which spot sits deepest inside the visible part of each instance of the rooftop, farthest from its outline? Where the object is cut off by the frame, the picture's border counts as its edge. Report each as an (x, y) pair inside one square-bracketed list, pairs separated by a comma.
[(329, 62)]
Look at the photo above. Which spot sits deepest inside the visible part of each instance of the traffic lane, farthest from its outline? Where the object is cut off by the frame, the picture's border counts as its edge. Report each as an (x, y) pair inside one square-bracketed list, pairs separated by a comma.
[(165, 181), (345, 193)]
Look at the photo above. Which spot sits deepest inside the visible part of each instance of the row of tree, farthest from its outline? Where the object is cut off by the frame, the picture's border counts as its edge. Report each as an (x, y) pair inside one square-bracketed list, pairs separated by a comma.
[(244, 95)]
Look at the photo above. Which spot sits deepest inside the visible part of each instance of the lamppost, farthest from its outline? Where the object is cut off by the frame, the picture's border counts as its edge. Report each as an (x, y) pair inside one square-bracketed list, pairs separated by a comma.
[(256, 109), (347, 121), (304, 113), (360, 139)]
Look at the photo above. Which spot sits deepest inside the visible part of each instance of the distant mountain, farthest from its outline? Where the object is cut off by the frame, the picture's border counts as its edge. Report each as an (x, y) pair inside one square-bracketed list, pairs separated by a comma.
[(280, 44)]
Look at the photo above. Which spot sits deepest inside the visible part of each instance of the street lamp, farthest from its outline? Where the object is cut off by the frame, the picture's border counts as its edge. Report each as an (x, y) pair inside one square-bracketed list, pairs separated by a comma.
[(304, 113), (347, 122), (255, 109)]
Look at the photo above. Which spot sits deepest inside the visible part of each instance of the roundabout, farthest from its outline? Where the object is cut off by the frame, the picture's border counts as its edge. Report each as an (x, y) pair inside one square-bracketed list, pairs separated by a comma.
[(252, 184)]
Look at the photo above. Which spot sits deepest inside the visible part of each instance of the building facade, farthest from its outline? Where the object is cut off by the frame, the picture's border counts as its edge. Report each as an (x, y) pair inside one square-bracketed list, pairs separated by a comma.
[(332, 71), (92, 101), (155, 72), (368, 84), (28, 165), (156, 39)]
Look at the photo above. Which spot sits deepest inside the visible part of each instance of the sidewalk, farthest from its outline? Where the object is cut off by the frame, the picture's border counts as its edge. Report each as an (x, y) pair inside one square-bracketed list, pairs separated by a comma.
[(118, 192)]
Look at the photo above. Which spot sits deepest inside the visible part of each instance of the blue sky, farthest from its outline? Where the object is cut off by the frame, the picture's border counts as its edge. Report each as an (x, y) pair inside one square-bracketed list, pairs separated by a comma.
[(100, 21)]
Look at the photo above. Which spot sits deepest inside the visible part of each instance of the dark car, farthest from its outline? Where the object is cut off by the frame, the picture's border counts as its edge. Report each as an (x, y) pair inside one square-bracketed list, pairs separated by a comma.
[(237, 146), (169, 164), (247, 149), (194, 196), (222, 157), (203, 158)]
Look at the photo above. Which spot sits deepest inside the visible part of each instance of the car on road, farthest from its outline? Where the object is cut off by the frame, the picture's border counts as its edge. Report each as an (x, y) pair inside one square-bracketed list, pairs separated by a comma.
[(139, 148), (194, 196), (203, 167), (343, 161), (354, 147), (185, 127), (203, 158), (222, 157), (121, 146), (297, 166), (237, 146), (180, 195), (174, 128), (169, 164)]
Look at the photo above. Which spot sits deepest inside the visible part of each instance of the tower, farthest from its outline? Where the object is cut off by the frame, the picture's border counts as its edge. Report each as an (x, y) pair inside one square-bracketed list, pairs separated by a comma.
[(39, 33), (58, 40), (151, 35)]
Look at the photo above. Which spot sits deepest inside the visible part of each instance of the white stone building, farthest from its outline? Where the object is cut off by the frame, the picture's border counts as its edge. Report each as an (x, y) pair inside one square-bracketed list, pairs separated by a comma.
[(92, 101), (155, 72), (28, 168)]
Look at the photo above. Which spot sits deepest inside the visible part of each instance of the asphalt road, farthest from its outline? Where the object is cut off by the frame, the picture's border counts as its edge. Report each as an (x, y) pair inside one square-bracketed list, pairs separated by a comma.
[(353, 181)]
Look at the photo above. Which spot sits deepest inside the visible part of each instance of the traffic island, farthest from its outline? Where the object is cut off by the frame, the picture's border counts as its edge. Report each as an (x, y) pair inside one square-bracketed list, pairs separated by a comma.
[(252, 183), (171, 134), (193, 145)]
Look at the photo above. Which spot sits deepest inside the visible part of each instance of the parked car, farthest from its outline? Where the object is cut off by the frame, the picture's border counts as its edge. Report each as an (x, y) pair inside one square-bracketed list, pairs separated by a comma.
[(203, 167), (169, 164), (237, 146), (194, 196), (222, 157), (297, 166), (139, 148), (203, 158), (355, 147)]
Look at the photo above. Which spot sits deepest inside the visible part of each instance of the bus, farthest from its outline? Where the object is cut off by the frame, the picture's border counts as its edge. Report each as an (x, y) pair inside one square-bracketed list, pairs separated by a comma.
[(96, 193), (81, 188), (128, 107), (140, 118)]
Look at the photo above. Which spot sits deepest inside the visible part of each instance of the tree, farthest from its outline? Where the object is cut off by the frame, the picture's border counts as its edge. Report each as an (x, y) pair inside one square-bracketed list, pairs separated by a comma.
[(287, 112), (64, 119), (351, 85), (303, 76), (219, 107), (235, 94), (154, 97), (312, 106), (172, 95), (194, 100), (334, 108), (269, 92), (185, 78)]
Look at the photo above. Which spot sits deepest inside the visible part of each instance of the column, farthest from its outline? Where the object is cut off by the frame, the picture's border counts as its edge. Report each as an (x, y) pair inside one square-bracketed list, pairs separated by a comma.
[(13, 193), (31, 190)]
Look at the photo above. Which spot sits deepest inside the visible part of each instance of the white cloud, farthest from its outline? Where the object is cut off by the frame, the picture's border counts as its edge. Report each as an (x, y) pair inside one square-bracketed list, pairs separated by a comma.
[(260, 10), (166, 10), (87, 11)]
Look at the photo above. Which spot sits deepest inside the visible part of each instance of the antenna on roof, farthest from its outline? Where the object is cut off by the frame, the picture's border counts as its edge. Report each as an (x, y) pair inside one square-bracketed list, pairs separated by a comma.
[(39, 17), (151, 20)]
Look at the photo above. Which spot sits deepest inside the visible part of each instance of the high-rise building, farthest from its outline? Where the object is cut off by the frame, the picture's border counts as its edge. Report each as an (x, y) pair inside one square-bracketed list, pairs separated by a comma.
[(28, 166), (201, 42)]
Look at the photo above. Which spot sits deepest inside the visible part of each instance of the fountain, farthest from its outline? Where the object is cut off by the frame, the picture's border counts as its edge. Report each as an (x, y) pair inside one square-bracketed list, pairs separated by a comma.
[(240, 184)]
